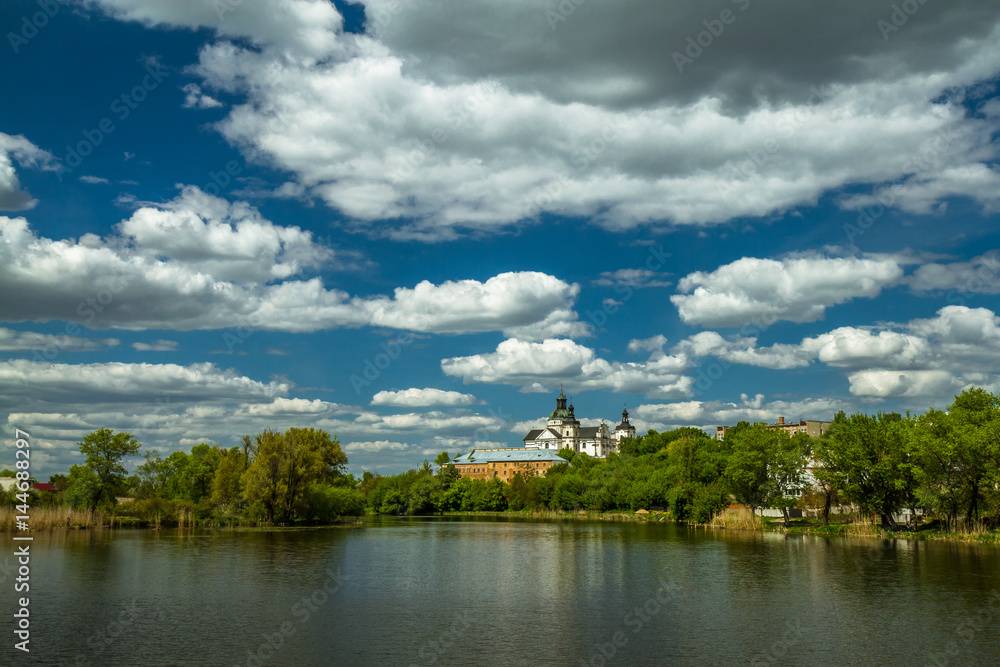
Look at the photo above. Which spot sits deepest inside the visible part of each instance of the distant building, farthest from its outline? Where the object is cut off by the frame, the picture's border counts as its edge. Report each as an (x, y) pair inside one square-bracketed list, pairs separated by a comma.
[(563, 430), (812, 427), (504, 463), (7, 483)]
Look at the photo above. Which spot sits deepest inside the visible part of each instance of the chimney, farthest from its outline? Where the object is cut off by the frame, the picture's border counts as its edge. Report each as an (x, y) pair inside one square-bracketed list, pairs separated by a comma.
[(781, 421)]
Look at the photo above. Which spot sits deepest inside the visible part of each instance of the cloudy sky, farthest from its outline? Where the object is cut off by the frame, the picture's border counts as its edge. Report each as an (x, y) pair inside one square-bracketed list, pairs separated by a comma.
[(408, 222)]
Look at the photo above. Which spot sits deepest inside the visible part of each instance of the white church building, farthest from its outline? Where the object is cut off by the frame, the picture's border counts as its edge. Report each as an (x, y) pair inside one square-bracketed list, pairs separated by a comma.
[(563, 430)]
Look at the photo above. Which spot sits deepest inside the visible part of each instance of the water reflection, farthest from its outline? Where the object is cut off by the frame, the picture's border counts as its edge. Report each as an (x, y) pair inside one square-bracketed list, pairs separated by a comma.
[(505, 592)]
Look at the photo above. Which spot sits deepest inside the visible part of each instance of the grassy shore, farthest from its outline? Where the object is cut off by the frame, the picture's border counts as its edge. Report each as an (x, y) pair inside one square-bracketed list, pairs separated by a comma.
[(569, 515), (741, 520), (47, 518), (50, 518), (54, 518)]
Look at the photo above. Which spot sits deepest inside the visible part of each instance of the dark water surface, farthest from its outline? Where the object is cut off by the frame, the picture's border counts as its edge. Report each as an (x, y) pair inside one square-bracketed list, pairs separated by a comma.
[(426, 591)]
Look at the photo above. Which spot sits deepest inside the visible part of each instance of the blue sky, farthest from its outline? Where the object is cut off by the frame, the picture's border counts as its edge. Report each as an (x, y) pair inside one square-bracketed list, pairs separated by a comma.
[(410, 222)]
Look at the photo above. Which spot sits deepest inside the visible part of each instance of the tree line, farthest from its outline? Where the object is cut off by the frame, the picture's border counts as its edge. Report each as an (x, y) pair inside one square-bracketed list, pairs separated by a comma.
[(292, 477), (946, 462)]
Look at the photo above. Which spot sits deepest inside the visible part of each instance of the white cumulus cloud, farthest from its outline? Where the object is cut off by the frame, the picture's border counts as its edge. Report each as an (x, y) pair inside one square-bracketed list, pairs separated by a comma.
[(200, 262), (416, 397), (15, 148), (534, 365), (797, 289), (431, 124)]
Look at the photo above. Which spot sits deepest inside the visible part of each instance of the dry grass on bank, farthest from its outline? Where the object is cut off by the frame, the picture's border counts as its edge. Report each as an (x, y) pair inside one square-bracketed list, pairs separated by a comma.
[(975, 533), (740, 519), (47, 518)]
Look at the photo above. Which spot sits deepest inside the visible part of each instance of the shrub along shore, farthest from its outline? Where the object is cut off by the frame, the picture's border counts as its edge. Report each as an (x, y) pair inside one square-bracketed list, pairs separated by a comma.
[(941, 465), (63, 518)]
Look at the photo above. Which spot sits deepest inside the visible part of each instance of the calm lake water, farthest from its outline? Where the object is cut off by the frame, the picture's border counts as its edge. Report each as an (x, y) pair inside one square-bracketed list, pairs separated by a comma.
[(426, 591)]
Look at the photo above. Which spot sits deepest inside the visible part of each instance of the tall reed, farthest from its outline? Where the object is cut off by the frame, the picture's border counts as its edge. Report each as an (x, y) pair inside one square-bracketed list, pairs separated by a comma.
[(47, 518), (740, 519)]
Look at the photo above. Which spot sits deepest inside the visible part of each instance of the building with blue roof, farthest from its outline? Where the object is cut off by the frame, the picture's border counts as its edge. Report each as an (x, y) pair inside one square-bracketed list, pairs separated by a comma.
[(562, 429), (504, 463)]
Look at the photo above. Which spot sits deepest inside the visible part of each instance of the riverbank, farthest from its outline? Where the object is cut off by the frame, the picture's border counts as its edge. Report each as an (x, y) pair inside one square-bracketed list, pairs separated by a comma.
[(557, 514), (66, 518), (931, 531), (737, 521), (928, 531)]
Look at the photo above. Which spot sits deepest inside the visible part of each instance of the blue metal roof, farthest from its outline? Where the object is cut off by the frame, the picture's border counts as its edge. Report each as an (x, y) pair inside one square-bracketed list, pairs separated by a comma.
[(516, 454)]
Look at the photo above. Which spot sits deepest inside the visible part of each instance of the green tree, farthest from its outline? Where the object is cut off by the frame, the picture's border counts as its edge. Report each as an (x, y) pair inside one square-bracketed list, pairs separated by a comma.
[(566, 453), (787, 471), (326, 503), (104, 451), (202, 462), (262, 480), (59, 483), (332, 459), (751, 452), (868, 459), (568, 492), (177, 480), (422, 496), (442, 460), (521, 492), (152, 475), (227, 485), (286, 464), (84, 489), (956, 455), (494, 499), (765, 466), (369, 481), (938, 463), (449, 475)]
